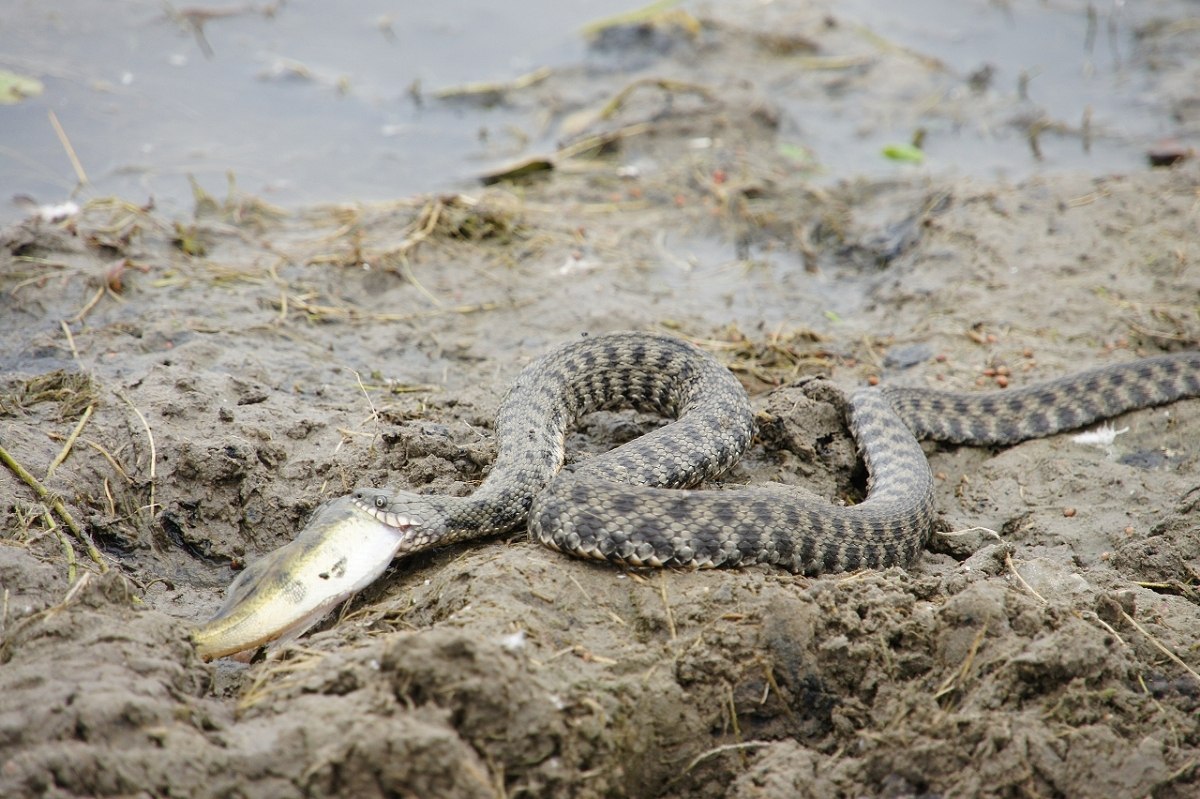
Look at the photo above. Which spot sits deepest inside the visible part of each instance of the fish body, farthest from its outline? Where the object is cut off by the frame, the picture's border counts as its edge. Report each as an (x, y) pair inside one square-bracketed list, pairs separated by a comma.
[(341, 551)]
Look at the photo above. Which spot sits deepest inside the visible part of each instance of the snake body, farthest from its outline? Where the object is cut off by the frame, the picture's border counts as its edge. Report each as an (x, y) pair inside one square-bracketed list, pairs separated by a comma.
[(623, 506)]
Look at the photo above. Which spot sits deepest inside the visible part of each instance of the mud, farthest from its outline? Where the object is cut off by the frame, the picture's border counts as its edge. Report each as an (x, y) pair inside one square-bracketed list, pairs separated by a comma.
[(244, 365)]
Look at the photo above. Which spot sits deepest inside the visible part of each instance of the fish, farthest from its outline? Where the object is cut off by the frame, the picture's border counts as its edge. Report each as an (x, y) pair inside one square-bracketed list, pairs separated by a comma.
[(281, 595)]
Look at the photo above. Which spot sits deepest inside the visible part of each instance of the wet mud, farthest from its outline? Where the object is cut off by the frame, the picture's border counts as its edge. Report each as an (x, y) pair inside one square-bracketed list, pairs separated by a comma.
[(211, 380)]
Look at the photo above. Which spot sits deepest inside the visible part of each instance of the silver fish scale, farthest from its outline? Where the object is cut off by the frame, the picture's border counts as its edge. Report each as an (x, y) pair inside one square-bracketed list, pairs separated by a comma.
[(622, 506)]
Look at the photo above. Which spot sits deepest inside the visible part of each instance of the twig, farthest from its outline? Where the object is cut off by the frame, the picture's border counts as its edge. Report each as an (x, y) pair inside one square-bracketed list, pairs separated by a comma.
[(68, 550), (666, 604), (89, 305), (357, 315), (582, 590), (367, 394), (72, 592), (41, 615), (55, 504), (407, 273), (66, 450), (476, 89), (1161, 646), (153, 451), (638, 16), (733, 717), (716, 750), (432, 214), (960, 674), (600, 139), (665, 84), (1008, 561), (80, 175), (70, 339), (112, 461), (112, 503), (1149, 694), (967, 530), (1111, 630)]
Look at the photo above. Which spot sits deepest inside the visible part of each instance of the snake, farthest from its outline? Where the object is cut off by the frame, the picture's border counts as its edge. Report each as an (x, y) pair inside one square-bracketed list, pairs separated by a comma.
[(625, 506)]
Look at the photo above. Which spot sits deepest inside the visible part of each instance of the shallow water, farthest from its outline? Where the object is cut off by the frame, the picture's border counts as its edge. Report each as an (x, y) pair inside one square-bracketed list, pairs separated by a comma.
[(311, 102), (1068, 62)]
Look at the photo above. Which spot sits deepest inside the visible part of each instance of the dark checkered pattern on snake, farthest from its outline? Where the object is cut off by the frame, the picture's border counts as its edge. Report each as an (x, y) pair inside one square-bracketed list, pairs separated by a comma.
[(624, 506)]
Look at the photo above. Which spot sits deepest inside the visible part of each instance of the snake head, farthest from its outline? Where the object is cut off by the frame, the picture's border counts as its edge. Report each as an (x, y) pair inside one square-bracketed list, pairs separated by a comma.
[(412, 516)]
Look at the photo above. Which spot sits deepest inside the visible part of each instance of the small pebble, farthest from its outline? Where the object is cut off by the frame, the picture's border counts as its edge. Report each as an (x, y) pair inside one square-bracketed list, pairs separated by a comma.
[(1168, 152), (1069, 512), (906, 356)]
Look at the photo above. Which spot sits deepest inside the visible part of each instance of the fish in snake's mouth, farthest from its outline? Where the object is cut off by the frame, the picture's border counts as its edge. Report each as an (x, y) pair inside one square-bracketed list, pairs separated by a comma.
[(379, 505), (341, 551), (417, 519)]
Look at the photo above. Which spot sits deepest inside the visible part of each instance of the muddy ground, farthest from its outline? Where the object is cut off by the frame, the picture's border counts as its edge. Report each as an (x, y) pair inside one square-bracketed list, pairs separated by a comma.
[(211, 380)]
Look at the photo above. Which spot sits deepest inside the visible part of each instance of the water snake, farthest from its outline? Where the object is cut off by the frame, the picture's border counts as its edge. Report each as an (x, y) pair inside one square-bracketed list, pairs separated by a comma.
[(623, 506)]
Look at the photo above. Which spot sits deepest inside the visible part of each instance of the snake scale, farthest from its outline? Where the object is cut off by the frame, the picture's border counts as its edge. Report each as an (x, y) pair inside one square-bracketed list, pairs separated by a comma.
[(622, 506)]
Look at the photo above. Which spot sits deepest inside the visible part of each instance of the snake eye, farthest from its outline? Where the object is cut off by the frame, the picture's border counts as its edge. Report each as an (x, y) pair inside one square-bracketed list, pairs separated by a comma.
[(381, 502)]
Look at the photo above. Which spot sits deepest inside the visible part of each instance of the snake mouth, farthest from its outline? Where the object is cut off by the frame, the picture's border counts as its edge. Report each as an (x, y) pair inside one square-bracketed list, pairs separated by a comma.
[(398, 521), (341, 550), (379, 506)]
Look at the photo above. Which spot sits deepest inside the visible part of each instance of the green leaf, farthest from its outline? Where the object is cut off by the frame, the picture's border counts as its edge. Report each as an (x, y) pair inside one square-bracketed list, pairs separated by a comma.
[(904, 152), (796, 153), (14, 88)]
